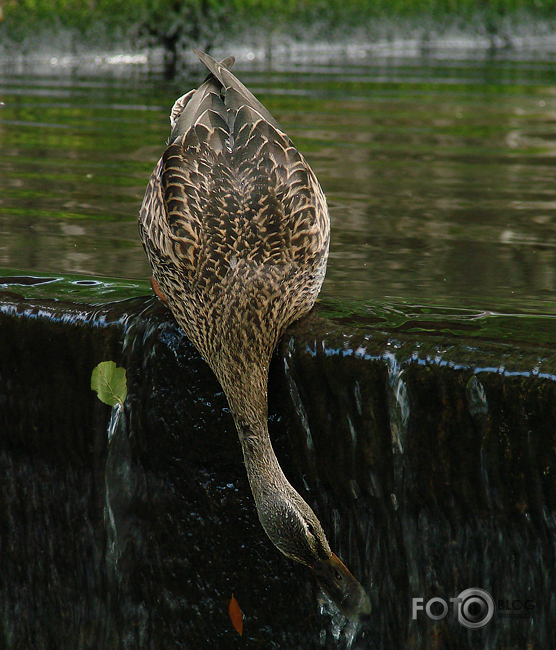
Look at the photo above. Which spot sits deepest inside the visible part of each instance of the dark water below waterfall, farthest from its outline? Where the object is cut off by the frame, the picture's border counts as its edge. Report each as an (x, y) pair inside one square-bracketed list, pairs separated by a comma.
[(425, 445)]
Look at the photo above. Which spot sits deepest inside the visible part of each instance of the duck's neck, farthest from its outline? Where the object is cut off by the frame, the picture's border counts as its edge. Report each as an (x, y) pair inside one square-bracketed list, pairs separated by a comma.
[(263, 469), (275, 498), (247, 397), (284, 515)]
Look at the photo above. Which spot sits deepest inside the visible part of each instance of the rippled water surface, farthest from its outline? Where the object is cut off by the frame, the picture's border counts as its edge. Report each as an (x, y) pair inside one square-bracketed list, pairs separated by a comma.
[(440, 174)]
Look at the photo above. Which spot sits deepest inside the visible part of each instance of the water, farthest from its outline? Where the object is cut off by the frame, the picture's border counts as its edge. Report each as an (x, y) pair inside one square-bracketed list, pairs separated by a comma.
[(417, 417), (430, 462), (439, 173)]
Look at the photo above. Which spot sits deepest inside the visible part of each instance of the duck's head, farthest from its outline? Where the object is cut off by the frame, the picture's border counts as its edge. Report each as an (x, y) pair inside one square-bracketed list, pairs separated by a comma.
[(294, 529)]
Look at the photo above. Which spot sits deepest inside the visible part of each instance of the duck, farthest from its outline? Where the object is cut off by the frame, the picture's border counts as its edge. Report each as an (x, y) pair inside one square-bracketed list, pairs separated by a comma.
[(236, 228)]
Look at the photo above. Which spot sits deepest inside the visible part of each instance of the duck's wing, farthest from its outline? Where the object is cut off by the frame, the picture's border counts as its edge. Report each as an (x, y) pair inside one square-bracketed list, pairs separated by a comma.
[(176, 185)]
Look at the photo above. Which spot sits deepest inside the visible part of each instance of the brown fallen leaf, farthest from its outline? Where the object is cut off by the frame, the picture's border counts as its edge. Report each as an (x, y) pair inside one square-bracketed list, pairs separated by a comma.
[(236, 615)]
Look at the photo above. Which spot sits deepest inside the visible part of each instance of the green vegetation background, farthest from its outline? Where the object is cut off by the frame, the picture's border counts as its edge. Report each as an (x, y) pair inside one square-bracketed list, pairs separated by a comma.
[(21, 15), (176, 24), (80, 13)]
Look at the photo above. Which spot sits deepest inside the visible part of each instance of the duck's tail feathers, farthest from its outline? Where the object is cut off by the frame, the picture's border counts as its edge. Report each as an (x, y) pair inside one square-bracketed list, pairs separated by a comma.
[(236, 95), (216, 104), (190, 107)]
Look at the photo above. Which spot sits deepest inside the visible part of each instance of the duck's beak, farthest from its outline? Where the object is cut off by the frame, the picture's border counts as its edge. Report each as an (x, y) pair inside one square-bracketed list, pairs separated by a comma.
[(342, 588)]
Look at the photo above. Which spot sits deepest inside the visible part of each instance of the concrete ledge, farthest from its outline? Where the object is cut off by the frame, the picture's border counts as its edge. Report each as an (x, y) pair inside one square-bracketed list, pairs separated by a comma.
[(427, 449)]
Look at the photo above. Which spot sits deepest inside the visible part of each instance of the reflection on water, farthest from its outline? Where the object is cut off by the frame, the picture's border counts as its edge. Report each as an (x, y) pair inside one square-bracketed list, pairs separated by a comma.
[(439, 174)]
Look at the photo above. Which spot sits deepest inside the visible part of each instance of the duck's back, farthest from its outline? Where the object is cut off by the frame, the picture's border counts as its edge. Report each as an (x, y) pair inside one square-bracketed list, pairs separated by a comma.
[(234, 222)]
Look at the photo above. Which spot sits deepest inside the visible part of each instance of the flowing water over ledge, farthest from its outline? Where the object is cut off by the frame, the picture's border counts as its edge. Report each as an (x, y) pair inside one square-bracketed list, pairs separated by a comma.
[(424, 441)]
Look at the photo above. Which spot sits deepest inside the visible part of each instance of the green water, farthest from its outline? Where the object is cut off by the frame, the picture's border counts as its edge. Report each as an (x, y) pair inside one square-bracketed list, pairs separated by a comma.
[(440, 174)]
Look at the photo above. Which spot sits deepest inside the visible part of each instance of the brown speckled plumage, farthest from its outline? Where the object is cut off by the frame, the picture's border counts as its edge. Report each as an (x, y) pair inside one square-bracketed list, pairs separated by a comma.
[(236, 229)]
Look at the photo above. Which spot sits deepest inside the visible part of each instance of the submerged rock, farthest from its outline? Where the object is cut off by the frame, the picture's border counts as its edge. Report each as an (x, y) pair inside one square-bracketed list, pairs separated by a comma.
[(426, 444)]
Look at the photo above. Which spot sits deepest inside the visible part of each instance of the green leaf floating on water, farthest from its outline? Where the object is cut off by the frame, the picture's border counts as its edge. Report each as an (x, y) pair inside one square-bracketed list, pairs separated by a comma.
[(110, 383)]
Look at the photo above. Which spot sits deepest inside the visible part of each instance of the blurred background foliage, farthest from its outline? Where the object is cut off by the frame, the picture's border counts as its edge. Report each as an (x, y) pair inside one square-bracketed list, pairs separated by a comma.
[(177, 25)]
